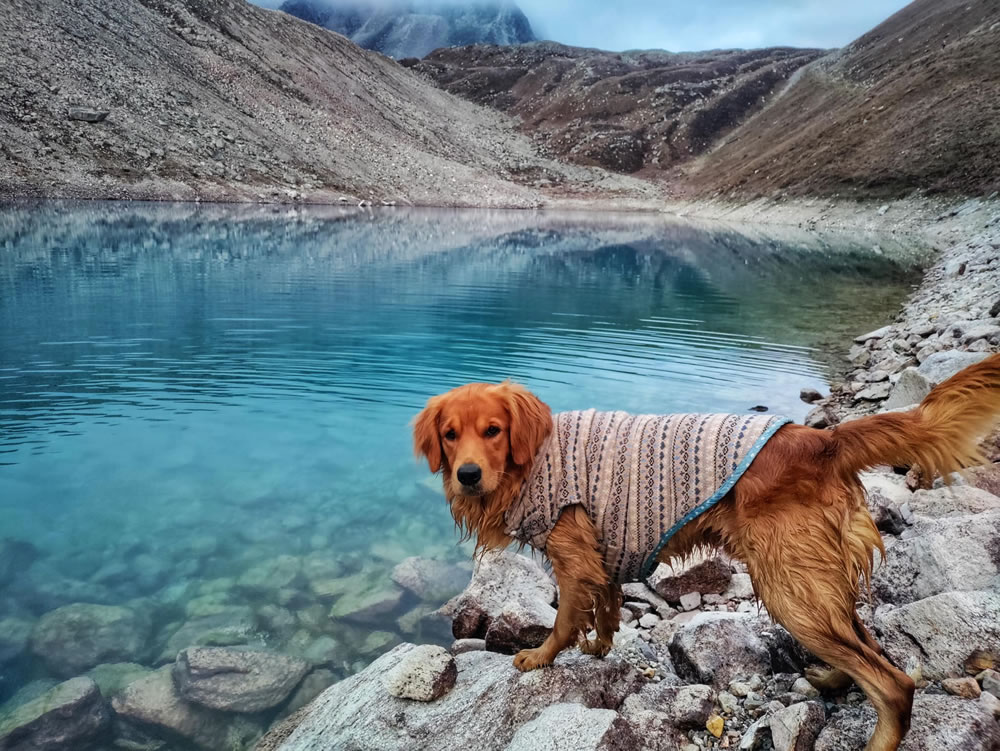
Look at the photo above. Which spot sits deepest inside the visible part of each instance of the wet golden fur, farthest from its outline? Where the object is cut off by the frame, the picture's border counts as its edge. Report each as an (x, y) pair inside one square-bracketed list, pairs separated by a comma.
[(797, 518)]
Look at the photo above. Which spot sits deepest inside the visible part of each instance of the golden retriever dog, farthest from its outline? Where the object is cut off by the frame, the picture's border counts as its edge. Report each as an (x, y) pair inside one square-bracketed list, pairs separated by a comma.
[(797, 518)]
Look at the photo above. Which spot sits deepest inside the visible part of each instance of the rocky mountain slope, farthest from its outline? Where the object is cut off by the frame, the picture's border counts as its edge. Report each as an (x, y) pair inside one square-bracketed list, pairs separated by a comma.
[(631, 111), (404, 28), (227, 101), (912, 104)]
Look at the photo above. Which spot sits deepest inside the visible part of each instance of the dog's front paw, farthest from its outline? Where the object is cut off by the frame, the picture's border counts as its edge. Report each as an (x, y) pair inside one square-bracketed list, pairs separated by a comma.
[(531, 659), (595, 647)]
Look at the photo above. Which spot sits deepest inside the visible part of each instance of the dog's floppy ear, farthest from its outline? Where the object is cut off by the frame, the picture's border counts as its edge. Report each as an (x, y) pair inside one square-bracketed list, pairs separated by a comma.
[(426, 441), (530, 422)]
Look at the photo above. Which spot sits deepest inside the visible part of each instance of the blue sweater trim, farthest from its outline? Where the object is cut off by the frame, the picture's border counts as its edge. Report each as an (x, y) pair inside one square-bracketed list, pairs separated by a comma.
[(717, 496)]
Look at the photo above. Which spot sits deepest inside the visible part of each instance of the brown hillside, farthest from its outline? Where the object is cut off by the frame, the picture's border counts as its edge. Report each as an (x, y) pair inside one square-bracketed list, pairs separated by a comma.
[(913, 104), (624, 111), (219, 99)]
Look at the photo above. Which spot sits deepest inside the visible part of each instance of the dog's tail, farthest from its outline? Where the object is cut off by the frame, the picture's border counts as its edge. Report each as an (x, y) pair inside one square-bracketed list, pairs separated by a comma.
[(941, 435)]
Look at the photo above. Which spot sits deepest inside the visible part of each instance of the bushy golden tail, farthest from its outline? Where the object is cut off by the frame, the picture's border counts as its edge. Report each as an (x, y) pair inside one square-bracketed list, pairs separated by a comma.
[(942, 435)]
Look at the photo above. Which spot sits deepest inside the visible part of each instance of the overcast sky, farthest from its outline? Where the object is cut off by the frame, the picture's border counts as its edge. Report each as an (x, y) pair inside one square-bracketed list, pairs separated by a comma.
[(682, 25)]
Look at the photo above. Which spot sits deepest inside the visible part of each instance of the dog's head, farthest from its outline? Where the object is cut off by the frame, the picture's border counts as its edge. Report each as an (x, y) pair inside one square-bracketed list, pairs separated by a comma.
[(481, 435)]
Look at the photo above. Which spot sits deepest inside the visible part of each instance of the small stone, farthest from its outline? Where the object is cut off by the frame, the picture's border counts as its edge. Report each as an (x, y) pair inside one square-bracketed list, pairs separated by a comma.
[(756, 735), (715, 725), (740, 688), (874, 392), (649, 620), (795, 728), (810, 395), (690, 601), (425, 673), (804, 687), (87, 114), (966, 687), (728, 702)]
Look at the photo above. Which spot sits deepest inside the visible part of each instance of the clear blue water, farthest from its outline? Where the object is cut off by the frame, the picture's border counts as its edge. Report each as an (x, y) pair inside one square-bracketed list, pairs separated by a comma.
[(186, 391)]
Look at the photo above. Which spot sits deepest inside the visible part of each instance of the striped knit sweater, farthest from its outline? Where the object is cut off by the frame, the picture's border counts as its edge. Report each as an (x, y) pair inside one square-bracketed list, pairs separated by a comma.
[(640, 478)]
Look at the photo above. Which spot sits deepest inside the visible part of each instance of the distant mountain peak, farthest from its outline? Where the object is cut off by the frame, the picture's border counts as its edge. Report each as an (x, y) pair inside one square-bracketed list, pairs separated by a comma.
[(414, 28)]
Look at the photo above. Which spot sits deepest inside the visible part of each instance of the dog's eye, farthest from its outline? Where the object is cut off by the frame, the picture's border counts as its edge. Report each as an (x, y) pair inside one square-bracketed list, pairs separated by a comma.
[(450, 435), (491, 431)]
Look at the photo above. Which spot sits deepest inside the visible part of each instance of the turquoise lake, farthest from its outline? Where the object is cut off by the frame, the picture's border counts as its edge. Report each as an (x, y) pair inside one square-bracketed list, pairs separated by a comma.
[(189, 393)]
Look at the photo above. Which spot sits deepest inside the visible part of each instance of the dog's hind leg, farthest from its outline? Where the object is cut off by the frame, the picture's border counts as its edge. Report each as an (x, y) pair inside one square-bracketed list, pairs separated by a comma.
[(804, 586), (832, 679)]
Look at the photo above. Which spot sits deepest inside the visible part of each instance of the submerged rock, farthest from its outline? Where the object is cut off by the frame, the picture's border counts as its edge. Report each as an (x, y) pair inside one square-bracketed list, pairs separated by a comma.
[(153, 704), (370, 605), (69, 716), (508, 603), (73, 639), (271, 575), (14, 635), (430, 579), (233, 626), (236, 681), (113, 677), (938, 633)]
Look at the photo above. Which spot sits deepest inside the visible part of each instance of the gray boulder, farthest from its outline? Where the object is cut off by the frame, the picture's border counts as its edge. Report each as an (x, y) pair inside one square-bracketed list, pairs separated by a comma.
[(939, 722), (911, 388), (716, 647), (430, 579), (236, 681), (573, 726), (957, 500), (74, 638), (362, 715), (941, 555), (508, 603), (681, 707), (71, 715), (153, 705), (706, 574), (425, 673), (886, 495), (938, 633), (941, 366)]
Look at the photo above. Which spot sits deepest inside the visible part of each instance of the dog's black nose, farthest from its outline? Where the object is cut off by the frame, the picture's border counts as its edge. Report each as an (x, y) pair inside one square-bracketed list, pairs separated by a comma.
[(469, 474)]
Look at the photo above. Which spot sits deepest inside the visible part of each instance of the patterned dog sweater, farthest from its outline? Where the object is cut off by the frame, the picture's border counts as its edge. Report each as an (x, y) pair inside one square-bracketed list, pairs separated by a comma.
[(640, 478)]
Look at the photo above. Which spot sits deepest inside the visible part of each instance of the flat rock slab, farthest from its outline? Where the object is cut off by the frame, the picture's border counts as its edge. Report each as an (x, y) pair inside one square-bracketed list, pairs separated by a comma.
[(236, 681), (71, 715), (490, 701)]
